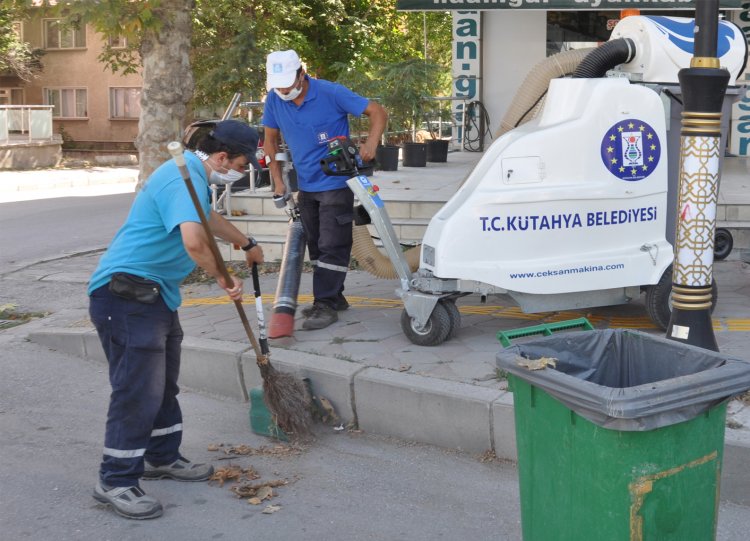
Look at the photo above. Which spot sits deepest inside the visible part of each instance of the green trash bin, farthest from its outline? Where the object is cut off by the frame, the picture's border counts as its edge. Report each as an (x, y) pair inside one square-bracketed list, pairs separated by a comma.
[(623, 438)]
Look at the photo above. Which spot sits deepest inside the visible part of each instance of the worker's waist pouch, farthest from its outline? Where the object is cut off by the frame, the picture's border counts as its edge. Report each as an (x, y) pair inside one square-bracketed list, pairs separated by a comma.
[(134, 288)]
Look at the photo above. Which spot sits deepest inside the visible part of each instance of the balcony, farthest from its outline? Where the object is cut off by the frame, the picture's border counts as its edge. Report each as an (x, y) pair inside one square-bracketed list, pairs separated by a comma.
[(26, 138)]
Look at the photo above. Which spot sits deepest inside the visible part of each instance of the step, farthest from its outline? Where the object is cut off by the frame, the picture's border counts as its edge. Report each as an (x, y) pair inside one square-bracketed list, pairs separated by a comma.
[(408, 230), (259, 203)]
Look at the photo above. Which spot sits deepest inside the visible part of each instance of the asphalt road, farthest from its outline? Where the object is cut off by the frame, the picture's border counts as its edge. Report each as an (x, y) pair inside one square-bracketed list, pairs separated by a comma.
[(346, 486), (46, 229)]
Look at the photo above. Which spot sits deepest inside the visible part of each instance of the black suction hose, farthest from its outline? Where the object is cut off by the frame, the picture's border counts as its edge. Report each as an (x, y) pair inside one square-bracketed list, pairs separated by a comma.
[(605, 57)]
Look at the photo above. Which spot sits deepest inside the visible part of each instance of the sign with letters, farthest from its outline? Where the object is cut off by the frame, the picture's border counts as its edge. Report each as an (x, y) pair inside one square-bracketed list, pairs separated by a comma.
[(556, 5), (466, 70)]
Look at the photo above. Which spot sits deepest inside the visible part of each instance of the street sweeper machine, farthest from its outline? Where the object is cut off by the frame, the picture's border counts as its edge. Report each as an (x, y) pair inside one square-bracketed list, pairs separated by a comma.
[(577, 207)]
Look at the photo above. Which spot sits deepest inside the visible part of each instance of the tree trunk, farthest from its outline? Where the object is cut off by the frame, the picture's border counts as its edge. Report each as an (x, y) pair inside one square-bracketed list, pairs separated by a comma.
[(167, 84)]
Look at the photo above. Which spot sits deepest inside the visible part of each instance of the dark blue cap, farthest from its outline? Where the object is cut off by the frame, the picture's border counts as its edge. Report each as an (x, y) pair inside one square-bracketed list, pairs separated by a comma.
[(239, 137)]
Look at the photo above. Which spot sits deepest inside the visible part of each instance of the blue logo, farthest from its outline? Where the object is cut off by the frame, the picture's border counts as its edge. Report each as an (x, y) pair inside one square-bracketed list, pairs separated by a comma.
[(682, 34), (278, 68), (631, 150)]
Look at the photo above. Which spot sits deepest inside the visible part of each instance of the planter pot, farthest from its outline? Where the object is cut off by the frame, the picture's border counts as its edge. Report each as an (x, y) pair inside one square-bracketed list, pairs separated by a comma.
[(387, 157), (415, 155), (437, 150)]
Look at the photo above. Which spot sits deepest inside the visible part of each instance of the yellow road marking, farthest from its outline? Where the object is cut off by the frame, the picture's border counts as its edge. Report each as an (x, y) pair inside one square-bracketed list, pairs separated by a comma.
[(495, 311)]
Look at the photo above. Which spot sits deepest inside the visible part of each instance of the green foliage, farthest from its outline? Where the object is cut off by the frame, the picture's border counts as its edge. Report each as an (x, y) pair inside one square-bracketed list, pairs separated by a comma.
[(16, 57), (366, 45)]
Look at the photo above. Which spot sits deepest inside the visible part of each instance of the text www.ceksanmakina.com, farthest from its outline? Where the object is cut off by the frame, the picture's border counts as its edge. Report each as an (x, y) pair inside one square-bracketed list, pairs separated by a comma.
[(562, 272)]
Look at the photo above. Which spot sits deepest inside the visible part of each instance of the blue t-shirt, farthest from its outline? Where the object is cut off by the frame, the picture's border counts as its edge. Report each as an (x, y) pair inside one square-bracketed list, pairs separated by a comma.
[(149, 243), (308, 127)]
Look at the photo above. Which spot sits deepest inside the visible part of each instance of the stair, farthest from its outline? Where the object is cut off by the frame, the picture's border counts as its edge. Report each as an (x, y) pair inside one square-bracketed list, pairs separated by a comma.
[(269, 225)]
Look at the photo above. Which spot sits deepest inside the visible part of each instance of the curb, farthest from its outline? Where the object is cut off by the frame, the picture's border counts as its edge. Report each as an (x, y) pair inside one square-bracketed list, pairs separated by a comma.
[(417, 408)]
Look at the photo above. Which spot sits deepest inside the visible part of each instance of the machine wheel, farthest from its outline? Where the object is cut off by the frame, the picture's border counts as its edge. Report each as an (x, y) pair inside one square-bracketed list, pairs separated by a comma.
[(454, 314), (659, 299), (436, 330), (723, 243)]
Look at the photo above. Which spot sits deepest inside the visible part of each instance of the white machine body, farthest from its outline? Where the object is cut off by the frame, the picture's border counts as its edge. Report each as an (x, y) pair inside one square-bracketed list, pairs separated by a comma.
[(664, 45), (573, 201)]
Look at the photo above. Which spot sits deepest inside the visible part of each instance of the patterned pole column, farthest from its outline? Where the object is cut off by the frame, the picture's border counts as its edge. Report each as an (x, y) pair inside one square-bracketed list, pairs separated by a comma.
[(703, 86)]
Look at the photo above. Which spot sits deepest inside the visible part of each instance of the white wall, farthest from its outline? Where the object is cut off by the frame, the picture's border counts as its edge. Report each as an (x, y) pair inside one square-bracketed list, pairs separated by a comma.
[(512, 43)]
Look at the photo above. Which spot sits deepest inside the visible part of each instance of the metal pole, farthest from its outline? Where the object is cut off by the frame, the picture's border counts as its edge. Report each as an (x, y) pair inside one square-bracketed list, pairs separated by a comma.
[(703, 86)]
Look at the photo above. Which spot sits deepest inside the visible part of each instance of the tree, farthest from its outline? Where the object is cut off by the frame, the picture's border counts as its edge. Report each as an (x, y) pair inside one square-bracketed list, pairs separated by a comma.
[(160, 32), (16, 57)]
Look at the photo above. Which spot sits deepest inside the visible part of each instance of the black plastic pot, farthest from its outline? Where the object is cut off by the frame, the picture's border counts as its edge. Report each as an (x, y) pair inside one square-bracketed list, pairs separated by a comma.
[(437, 150), (387, 157), (415, 155)]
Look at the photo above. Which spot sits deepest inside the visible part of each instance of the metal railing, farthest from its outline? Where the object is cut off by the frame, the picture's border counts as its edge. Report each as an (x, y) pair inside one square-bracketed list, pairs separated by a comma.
[(25, 123)]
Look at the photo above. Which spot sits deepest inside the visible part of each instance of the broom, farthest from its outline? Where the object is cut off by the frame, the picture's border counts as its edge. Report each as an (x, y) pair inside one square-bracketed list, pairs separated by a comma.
[(286, 397)]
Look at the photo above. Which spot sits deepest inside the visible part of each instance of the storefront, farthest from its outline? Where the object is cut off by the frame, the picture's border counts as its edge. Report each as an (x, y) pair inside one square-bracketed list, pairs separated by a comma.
[(497, 42)]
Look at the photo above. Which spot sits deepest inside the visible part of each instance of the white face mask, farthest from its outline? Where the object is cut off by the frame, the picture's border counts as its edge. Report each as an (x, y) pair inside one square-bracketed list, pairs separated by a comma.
[(215, 177), (293, 93)]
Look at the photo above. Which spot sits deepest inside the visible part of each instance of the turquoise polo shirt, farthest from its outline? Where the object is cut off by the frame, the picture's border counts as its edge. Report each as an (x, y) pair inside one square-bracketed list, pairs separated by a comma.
[(149, 243), (308, 127)]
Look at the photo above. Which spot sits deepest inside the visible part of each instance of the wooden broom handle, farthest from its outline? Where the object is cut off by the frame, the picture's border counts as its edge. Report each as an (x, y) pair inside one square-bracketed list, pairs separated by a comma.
[(175, 149)]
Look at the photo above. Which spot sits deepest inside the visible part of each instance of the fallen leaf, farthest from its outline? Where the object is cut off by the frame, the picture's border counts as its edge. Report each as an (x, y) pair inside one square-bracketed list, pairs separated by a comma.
[(264, 493), (254, 501), (213, 447), (536, 364), (330, 411), (404, 368), (271, 509)]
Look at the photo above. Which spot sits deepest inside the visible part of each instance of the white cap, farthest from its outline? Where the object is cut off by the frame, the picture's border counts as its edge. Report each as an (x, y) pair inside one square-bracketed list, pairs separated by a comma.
[(281, 69)]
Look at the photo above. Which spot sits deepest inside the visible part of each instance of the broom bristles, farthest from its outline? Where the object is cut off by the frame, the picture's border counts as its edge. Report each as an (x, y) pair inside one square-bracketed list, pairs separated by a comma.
[(288, 400)]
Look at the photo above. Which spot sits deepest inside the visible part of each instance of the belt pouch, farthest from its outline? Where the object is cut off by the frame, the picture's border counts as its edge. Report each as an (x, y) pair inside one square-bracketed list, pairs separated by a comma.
[(134, 288)]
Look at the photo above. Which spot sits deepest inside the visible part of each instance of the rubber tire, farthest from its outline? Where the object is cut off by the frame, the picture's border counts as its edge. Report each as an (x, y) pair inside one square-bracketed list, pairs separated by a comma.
[(455, 316), (723, 244), (435, 332), (658, 305)]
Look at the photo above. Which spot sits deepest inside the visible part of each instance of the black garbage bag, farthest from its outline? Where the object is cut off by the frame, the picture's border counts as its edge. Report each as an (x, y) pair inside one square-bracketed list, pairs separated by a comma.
[(628, 380)]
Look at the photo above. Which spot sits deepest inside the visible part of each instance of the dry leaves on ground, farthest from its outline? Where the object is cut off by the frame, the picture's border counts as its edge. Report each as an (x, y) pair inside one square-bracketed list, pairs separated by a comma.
[(264, 450), (257, 492), (233, 473), (537, 364)]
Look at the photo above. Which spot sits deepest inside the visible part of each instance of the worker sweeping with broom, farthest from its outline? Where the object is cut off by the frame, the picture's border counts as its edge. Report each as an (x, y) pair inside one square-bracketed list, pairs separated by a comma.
[(134, 296)]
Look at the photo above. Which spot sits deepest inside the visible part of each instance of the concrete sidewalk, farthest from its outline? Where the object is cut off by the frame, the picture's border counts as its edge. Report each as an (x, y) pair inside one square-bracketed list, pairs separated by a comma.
[(66, 182)]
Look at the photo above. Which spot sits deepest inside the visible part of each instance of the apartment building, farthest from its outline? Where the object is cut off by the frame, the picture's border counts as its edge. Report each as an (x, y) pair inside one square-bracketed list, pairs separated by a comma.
[(92, 107)]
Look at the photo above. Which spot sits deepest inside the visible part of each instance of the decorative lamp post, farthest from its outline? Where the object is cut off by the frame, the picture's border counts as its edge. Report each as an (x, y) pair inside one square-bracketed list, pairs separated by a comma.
[(703, 86)]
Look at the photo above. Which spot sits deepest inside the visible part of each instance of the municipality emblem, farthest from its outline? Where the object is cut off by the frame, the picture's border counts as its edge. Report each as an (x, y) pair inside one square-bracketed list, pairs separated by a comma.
[(631, 150)]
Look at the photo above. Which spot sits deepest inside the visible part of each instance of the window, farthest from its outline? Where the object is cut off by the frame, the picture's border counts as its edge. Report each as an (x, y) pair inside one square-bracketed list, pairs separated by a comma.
[(66, 102), (57, 36), (124, 102), (11, 96), (117, 42)]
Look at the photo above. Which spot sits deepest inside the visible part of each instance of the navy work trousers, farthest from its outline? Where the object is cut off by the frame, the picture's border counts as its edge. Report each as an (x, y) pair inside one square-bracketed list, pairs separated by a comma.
[(327, 219), (142, 344)]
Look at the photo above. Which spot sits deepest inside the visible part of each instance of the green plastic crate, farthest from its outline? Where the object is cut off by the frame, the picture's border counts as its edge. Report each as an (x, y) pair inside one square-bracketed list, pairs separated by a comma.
[(545, 329)]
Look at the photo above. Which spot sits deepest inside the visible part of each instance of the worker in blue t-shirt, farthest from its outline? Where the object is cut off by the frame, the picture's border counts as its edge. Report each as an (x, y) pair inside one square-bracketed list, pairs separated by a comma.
[(308, 112), (134, 296)]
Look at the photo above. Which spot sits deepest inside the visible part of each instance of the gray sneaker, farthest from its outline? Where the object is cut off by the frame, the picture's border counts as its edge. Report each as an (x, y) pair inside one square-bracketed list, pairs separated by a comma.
[(321, 316), (128, 502), (179, 470), (341, 305)]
